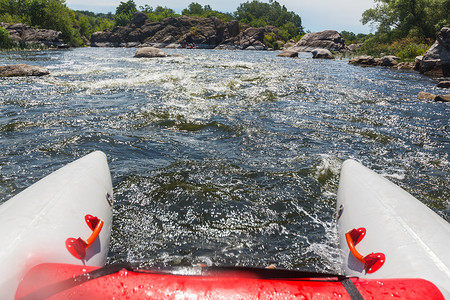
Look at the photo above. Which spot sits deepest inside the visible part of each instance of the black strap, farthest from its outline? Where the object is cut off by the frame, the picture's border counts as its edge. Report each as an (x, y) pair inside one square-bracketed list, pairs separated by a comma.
[(351, 289)]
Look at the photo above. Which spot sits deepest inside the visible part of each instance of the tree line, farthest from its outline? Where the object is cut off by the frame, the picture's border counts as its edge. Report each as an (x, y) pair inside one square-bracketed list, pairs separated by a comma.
[(78, 26), (396, 21)]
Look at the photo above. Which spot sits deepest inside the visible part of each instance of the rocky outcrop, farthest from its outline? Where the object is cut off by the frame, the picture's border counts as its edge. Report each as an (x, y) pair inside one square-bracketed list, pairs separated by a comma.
[(436, 60), (21, 33), (204, 32), (150, 52), (250, 39), (322, 53), (22, 70), (170, 32), (328, 39)]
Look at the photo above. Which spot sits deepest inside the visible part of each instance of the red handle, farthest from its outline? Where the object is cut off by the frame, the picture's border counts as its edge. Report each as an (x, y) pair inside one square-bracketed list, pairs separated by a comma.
[(77, 247), (373, 261), (352, 248), (90, 240)]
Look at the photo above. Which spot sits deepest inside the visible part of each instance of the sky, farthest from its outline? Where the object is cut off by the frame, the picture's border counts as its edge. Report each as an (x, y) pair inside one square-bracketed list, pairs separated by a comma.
[(317, 15)]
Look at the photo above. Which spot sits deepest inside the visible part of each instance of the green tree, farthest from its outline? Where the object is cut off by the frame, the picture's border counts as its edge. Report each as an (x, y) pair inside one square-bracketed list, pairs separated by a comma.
[(160, 13), (125, 12), (259, 14), (408, 18), (5, 40), (194, 9)]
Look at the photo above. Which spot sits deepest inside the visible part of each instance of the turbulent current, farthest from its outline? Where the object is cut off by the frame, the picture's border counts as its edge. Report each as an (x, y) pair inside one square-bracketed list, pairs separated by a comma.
[(223, 157)]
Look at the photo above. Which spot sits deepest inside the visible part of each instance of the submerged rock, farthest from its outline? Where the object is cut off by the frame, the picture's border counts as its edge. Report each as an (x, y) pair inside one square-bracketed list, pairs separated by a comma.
[(430, 96), (22, 70), (426, 95), (288, 53), (322, 53), (150, 52)]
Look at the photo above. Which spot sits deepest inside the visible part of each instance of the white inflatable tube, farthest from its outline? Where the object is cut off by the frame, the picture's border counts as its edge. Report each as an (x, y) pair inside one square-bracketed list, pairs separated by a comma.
[(413, 238), (36, 223)]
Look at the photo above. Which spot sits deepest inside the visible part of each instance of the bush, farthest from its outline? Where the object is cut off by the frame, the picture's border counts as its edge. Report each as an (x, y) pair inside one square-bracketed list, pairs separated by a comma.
[(5, 40), (407, 48), (270, 40)]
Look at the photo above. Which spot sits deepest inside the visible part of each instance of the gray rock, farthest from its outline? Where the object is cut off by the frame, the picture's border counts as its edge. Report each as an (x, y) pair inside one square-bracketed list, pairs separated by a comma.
[(388, 61), (436, 60), (19, 32), (364, 60), (288, 53), (22, 70), (328, 39), (150, 52), (322, 53), (425, 96)]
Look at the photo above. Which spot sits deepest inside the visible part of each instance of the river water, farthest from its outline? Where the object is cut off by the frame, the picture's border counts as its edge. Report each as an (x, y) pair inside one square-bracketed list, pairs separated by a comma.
[(223, 157)]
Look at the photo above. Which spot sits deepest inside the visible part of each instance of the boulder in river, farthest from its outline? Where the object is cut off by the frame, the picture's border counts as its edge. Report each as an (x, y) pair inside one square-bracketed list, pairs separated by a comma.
[(444, 84), (388, 61), (22, 70), (322, 53), (328, 39), (436, 61), (150, 52), (425, 96), (364, 61), (288, 53), (442, 98), (439, 98)]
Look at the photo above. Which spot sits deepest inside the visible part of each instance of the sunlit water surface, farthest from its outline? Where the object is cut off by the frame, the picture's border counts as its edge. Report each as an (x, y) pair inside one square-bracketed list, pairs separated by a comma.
[(223, 157)]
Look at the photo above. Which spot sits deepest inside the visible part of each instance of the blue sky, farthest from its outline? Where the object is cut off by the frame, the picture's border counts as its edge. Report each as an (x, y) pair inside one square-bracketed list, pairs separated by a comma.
[(317, 15)]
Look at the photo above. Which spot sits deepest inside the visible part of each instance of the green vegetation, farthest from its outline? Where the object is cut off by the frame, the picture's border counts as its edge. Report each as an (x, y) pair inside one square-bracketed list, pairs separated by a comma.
[(5, 41), (125, 12), (52, 14), (260, 14), (89, 22), (405, 28), (196, 10), (159, 13), (351, 38), (407, 49), (77, 27), (399, 19)]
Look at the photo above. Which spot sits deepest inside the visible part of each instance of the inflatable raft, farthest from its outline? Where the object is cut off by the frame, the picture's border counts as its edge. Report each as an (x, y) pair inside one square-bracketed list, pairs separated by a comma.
[(56, 235), (387, 233), (63, 218)]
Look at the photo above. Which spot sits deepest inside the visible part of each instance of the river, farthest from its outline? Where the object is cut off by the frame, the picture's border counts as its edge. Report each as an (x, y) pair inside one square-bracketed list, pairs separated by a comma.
[(223, 157)]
